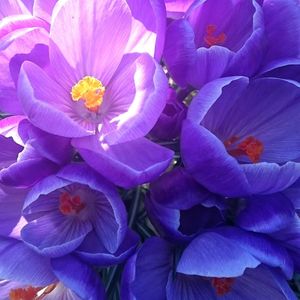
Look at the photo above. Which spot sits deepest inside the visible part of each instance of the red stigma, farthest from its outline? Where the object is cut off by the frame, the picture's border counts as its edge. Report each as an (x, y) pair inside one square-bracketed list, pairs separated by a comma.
[(28, 293), (222, 286), (69, 205), (250, 146), (211, 38)]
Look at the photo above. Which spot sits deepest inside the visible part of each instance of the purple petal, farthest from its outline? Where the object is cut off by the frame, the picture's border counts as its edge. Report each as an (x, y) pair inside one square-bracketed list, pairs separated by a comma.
[(180, 51), (134, 99), (126, 164), (269, 178), (92, 250), (43, 9), (54, 234), (266, 214), (212, 255), (148, 27), (79, 277), (46, 104), (17, 262), (93, 41), (201, 150)]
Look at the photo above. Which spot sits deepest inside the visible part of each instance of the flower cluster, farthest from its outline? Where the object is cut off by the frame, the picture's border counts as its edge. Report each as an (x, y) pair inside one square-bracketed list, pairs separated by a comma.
[(149, 149)]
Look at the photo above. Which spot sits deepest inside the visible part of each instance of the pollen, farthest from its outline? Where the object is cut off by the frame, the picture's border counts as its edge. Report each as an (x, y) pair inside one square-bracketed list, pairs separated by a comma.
[(28, 293), (89, 90), (222, 286), (250, 147), (212, 38), (70, 205)]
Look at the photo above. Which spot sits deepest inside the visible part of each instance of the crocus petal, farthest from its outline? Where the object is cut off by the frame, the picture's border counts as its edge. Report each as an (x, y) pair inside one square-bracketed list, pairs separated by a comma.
[(11, 7), (210, 64), (283, 37), (212, 255), (126, 164), (79, 277), (26, 44), (134, 99), (11, 203), (19, 263), (46, 103), (55, 235), (261, 247), (43, 9), (269, 178), (180, 50), (94, 39), (148, 27), (152, 267), (202, 150), (92, 250), (266, 214)]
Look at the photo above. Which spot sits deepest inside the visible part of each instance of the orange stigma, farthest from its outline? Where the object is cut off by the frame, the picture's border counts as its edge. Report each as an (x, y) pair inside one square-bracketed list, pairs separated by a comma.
[(222, 286), (69, 205), (91, 91), (211, 38), (250, 146), (28, 293)]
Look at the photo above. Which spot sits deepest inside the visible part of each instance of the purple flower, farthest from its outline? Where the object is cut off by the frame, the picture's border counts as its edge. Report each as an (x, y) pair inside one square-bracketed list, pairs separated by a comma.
[(241, 137), (206, 44), (29, 154), (105, 98), (28, 275), (65, 209), (177, 8), (212, 265)]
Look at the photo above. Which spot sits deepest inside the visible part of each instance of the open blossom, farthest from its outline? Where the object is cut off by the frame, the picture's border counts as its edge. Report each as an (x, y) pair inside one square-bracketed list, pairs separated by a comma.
[(210, 267), (97, 93), (245, 135), (206, 44)]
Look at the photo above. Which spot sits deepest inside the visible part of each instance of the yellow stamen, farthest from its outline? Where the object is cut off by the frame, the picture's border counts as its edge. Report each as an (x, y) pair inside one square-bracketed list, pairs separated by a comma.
[(91, 91)]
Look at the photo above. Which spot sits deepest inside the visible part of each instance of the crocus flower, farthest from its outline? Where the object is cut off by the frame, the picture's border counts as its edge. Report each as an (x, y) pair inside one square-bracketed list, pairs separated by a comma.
[(104, 99), (210, 267), (63, 209), (29, 154), (27, 275), (241, 137), (215, 39)]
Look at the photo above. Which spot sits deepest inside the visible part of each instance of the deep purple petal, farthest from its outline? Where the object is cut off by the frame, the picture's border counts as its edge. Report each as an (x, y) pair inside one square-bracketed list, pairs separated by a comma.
[(126, 164), (201, 150), (180, 51), (79, 277), (212, 255), (19, 263), (92, 250), (266, 214)]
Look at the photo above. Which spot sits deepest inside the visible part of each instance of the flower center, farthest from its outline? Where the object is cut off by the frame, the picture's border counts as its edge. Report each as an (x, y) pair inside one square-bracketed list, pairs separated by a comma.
[(211, 38), (250, 146), (28, 293), (70, 205), (222, 285), (31, 293), (89, 90)]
